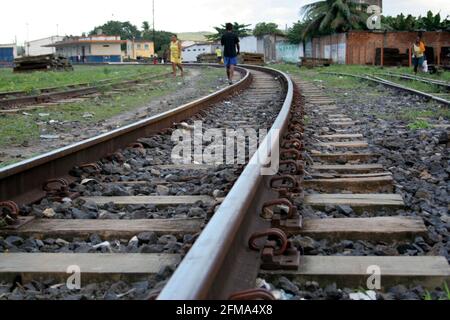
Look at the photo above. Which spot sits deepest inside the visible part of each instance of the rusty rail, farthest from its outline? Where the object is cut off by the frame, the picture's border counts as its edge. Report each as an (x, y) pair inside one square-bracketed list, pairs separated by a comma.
[(390, 84), (23, 182), (220, 263), (430, 81), (54, 94)]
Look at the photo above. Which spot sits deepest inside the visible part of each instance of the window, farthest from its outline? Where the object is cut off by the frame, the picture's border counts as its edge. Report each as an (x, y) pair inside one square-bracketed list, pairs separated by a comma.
[(147, 47), (106, 46), (139, 46)]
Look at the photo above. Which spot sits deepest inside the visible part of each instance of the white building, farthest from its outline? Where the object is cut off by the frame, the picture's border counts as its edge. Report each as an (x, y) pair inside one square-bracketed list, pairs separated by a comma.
[(190, 53), (41, 46)]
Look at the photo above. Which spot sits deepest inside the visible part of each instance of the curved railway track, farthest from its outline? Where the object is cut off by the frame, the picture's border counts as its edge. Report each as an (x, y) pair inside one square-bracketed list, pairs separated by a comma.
[(391, 84), (221, 225)]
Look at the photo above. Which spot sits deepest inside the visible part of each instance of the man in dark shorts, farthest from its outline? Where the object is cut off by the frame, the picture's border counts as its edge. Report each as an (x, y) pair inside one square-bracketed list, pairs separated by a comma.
[(230, 42)]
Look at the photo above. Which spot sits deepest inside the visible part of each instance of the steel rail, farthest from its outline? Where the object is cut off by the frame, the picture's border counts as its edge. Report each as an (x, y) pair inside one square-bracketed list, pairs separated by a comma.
[(390, 84), (220, 262), (56, 95), (22, 182), (416, 78)]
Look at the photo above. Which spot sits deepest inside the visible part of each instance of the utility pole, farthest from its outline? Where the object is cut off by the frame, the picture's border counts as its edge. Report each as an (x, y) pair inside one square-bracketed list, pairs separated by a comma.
[(154, 42), (28, 40), (57, 29)]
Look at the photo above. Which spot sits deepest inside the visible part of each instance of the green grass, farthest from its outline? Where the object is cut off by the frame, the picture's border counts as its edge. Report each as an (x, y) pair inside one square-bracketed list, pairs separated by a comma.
[(419, 125), (316, 75), (32, 82), (428, 297), (16, 129), (342, 82), (411, 115)]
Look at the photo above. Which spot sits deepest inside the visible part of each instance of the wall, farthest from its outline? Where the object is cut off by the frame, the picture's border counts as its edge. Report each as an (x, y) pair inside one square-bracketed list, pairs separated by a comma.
[(36, 47), (191, 53), (143, 51), (249, 44), (361, 46), (329, 47), (99, 49), (7, 55), (287, 52)]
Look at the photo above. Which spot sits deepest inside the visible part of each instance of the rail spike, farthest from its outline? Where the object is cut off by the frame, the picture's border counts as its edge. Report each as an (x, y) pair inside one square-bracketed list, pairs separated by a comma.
[(278, 253), (9, 213)]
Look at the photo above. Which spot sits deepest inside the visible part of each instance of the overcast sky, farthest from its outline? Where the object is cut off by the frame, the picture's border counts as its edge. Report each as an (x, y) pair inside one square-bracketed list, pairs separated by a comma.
[(75, 17)]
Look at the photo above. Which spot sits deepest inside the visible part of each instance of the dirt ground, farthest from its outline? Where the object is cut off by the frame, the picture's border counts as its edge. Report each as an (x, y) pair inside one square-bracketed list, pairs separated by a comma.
[(193, 87)]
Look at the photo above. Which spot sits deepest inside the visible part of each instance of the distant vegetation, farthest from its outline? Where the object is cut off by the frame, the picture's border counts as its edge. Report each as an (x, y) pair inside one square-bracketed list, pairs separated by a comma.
[(127, 31), (264, 28), (241, 30), (333, 16)]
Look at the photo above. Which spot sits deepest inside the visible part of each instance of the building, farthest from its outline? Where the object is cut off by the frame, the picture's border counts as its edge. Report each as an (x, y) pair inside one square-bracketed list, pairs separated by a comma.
[(41, 46), (266, 45), (190, 53), (91, 49), (365, 47), (371, 2), (140, 49), (8, 52)]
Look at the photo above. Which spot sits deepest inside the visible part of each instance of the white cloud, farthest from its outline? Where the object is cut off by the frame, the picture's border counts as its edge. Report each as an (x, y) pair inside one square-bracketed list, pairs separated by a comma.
[(75, 17)]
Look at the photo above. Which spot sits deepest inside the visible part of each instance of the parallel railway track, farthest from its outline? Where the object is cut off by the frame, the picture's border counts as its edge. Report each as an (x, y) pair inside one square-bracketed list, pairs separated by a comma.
[(443, 100), (9, 100), (173, 201), (439, 83)]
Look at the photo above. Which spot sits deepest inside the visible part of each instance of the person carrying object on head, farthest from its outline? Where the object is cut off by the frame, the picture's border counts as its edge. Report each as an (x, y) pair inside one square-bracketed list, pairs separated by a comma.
[(418, 54), (231, 49)]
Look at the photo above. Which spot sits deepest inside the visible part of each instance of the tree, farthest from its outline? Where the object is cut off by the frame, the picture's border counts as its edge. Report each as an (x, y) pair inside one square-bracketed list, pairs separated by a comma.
[(125, 30), (161, 40), (262, 29), (330, 16), (295, 33), (400, 23), (145, 26), (241, 30), (431, 22)]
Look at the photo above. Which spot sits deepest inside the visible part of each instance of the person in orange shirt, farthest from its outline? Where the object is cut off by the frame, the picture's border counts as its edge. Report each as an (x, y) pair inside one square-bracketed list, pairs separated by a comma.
[(418, 54)]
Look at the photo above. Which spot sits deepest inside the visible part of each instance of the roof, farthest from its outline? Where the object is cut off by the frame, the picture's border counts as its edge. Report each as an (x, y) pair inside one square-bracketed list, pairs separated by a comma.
[(200, 44), (47, 38), (140, 41), (88, 40)]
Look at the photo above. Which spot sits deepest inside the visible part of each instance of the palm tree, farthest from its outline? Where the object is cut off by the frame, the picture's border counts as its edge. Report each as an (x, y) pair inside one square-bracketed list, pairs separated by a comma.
[(333, 16)]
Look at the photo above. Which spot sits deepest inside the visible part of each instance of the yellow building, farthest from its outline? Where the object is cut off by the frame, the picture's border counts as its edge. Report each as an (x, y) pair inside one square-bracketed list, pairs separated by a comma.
[(140, 49)]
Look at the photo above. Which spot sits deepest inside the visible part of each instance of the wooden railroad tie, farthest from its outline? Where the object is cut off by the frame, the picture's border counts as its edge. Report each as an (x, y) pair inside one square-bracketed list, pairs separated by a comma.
[(349, 271), (358, 202)]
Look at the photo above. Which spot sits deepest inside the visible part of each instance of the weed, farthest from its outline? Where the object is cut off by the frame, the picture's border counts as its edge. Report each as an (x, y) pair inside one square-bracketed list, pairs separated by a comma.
[(419, 125)]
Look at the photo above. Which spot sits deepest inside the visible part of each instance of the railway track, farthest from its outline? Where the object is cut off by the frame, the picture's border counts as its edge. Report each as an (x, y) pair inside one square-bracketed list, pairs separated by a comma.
[(13, 100), (137, 215), (444, 99), (439, 83)]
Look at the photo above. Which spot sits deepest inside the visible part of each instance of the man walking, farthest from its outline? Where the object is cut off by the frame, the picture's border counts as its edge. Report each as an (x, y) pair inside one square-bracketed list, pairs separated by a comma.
[(231, 50)]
